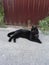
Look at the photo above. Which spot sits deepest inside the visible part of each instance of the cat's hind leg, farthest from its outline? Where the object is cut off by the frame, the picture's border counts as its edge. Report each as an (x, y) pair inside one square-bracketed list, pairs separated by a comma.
[(14, 39), (10, 39)]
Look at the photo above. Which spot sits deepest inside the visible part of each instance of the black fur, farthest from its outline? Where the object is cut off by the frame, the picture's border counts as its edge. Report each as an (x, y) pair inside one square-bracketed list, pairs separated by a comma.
[(32, 35)]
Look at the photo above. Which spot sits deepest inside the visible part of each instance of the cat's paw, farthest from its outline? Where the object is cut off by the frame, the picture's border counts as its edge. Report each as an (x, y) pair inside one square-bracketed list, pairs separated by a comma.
[(14, 41), (9, 40)]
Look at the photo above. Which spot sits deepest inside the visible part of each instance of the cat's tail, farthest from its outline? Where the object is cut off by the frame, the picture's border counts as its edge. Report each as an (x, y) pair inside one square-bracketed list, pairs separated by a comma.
[(10, 34)]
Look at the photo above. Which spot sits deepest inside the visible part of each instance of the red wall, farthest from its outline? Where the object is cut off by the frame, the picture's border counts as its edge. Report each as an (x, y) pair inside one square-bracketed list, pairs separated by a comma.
[(22, 10)]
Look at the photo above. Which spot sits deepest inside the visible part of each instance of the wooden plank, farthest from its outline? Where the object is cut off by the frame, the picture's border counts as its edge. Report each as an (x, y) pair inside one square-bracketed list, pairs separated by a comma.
[(23, 10)]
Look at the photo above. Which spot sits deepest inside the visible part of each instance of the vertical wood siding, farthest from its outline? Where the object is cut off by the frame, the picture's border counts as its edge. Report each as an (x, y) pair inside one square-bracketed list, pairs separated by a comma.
[(24, 10)]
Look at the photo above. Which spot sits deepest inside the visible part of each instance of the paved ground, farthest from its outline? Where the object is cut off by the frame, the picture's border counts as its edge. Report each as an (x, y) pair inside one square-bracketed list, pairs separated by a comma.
[(23, 52)]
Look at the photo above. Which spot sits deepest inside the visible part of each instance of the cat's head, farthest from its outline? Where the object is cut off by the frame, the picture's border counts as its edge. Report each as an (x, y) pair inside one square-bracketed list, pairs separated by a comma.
[(35, 31)]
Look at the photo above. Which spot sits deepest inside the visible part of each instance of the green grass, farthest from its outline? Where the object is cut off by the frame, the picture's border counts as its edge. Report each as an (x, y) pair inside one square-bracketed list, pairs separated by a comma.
[(44, 25), (2, 24)]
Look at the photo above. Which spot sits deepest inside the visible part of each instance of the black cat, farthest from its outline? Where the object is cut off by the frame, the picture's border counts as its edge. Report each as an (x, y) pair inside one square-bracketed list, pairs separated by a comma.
[(32, 35)]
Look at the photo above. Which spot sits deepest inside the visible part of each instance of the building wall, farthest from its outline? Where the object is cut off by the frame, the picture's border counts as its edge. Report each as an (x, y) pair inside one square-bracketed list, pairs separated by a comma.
[(25, 11)]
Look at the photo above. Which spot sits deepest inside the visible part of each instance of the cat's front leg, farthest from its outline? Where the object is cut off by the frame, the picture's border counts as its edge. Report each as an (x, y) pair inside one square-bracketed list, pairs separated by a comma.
[(37, 40)]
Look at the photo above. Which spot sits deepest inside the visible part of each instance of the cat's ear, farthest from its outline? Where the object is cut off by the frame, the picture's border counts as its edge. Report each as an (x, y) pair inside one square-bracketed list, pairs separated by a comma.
[(34, 26)]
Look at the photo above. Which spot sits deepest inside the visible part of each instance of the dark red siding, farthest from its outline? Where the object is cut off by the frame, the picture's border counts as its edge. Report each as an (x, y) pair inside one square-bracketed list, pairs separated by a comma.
[(24, 10)]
